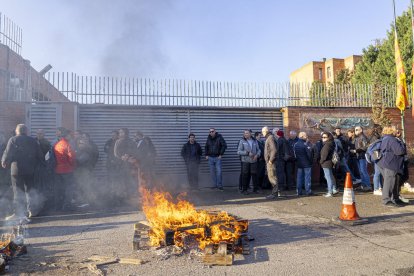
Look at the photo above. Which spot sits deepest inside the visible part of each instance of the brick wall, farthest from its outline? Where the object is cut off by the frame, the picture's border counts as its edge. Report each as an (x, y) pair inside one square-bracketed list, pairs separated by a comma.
[(11, 114)]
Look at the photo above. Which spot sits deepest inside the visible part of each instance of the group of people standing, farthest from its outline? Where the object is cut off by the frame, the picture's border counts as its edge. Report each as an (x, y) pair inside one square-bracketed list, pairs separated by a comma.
[(267, 157)]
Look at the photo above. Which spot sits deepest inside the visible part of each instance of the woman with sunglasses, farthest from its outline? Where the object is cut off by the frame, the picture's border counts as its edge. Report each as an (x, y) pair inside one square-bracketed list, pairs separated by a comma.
[(327, 165)]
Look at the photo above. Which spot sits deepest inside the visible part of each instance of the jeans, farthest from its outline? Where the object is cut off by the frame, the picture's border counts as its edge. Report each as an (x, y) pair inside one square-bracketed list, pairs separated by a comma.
[(363, 171), (377, 177), (345, 168), (64, 190), (215, 171), (304, 176), (330, 179)]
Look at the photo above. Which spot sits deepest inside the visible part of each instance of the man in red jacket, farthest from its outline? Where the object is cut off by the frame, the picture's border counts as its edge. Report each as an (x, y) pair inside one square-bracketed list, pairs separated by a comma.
[(65, 165)]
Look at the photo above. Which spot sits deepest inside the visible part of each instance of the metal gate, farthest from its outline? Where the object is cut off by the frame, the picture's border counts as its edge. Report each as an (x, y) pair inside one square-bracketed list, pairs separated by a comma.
[(169, 127), (44, 116)]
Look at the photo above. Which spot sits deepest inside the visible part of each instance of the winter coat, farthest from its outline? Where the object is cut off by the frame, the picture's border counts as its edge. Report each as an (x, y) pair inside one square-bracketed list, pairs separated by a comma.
[(291, 144), (215, 146), (244, 149), (44, 144), (303, 153), (111, 160), (317, 150), (23, 154), (361, 145), (145, 150), (282, 149), (327, 151), (186, 152), (65, 157), (125, 146), (270, 149), (393, 152), (261, 147)]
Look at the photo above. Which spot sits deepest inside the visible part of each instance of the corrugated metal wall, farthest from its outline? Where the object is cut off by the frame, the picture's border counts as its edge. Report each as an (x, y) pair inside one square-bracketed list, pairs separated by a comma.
[(169, 127), (44, 116)]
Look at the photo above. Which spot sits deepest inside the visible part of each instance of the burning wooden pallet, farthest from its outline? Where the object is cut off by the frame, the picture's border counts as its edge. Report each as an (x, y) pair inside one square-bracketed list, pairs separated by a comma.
[(221, 253)]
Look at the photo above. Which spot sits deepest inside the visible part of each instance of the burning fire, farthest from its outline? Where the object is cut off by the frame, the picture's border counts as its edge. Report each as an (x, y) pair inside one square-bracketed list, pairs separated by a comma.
[(185, 221)]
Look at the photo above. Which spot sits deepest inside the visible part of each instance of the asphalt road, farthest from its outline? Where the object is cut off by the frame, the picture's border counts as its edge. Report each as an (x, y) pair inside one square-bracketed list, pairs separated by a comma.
[(293, 236)]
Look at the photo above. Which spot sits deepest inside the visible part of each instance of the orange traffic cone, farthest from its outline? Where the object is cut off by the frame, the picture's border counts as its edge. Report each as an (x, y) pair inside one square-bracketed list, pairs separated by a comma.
[(348, 211)]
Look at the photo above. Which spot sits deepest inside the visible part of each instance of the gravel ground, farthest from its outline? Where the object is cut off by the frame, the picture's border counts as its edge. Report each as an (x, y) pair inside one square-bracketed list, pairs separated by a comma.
[(293, 236)]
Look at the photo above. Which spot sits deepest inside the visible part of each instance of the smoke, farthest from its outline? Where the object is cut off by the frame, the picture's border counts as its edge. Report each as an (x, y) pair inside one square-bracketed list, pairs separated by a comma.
[(127, 34)]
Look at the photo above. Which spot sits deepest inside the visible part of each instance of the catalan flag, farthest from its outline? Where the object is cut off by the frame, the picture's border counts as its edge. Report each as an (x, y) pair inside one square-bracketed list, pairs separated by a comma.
[(402, 94)]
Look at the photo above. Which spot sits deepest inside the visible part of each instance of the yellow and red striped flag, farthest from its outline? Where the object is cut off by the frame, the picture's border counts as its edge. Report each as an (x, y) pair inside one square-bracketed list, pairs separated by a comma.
[(402, 94)]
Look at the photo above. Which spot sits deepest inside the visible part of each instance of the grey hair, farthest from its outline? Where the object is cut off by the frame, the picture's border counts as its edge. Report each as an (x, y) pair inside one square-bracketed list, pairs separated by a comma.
[(276, 129), (21, 129)]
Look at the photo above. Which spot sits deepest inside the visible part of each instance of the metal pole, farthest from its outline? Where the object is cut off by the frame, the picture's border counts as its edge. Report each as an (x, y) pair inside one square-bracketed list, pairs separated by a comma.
[(395, 29)]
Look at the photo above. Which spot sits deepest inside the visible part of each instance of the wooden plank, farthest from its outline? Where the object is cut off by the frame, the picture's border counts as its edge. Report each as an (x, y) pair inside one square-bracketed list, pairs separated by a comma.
[(218, 259)]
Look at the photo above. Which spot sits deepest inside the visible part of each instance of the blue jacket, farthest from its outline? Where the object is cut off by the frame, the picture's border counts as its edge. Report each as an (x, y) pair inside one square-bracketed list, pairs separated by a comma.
[(393, 152), (303, 154)]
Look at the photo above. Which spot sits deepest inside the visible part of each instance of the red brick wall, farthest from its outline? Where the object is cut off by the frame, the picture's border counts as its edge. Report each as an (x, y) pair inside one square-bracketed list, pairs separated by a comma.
[(11, 114)]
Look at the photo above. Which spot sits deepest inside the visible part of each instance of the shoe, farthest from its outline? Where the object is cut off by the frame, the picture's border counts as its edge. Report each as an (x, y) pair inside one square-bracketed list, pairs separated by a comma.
[(392, 204), (310, 194), (245, 192), (334, 191), (328, 195), (366, 189), (378, 192), (221, 189), (357, 181), (256, 192), (400, 202), (272, 196), (406, 201)]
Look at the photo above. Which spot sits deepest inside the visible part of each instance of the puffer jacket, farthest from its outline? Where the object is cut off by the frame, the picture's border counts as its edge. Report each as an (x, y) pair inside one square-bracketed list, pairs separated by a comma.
[(215, 146), (327, 151), (270, 149), (244, 150), (65, 157)]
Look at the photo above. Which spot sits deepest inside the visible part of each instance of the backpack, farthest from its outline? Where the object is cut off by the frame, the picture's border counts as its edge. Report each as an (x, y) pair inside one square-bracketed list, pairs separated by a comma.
[(374, 153)]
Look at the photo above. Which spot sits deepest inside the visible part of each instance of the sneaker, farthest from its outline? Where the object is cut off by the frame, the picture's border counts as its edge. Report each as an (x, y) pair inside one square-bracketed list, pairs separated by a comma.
[(392, 204), (357, 181), (328, 195), (335, 191), (400, 202), (271, 196), (378, 192), (366, 189), (245, 192), (404, 199)]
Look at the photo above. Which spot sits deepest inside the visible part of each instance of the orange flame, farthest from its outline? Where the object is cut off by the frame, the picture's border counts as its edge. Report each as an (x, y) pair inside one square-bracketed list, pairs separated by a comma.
[(207, 227)]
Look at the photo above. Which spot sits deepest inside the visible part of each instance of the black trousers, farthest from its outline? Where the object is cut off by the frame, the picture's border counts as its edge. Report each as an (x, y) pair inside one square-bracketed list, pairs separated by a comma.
[(64, 190), (21, 185), (290, 176), (249, 171), (192, 173)]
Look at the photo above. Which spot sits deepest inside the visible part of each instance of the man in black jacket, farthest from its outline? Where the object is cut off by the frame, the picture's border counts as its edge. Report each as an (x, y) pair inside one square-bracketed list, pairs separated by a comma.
[(214, 150), (22, 154), (361, 146), (191, 152)]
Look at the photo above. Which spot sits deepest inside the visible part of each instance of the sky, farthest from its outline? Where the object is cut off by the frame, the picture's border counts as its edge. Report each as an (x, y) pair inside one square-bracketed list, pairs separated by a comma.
[(228, 40)]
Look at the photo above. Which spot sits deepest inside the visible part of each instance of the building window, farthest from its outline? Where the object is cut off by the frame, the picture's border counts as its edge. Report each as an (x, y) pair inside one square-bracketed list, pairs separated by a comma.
[(320, 73), (328, 72)]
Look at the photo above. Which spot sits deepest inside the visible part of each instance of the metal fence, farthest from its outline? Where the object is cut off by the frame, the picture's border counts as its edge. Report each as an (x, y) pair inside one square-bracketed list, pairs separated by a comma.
[(150, 92), (342, 95), (171, 92), (11, 35)]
